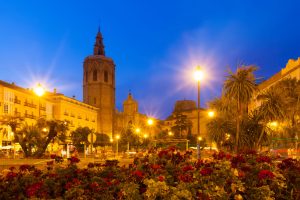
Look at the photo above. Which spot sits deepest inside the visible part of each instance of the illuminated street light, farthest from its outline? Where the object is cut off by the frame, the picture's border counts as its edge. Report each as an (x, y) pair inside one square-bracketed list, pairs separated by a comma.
[(117, 137), (198, 75), (39, 90), (145, 136), (199, 138), (150, 122), (211, 114), (170, 133), (137, 130)]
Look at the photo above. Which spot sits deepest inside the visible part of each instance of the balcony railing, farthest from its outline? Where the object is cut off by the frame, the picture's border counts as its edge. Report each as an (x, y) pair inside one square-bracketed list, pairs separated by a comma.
[(29, 105), (72, 115), (17, 114), (79, 117), (29, 116), (87, 119), (17, 101), (66, 114), (43, 108)]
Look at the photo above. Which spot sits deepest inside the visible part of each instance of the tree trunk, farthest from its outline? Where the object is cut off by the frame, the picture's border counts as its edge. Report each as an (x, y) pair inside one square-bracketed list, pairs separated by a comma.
[(260, 137), (236, 148)]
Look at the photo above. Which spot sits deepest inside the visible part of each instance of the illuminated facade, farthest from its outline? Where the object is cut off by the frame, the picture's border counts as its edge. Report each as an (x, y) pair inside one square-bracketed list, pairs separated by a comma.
[(291, 70), (99, 86), (189, 109), (130, 117), (19, 102)]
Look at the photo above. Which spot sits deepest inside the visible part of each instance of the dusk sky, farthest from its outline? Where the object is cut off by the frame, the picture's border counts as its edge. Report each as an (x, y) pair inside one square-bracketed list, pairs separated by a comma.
[(155, 44)]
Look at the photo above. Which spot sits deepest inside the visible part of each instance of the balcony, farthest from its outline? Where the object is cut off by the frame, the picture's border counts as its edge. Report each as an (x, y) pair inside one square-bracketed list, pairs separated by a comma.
[(79, 117), (31, 105), (87, 119), (17, 114), (29, 116), (17, 101), (42, 108), (66, 114), (72, 115)]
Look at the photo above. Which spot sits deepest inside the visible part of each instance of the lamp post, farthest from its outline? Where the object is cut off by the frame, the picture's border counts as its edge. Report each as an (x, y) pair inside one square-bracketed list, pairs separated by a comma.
[(198, 75), (117, 138), (39, 91), (150, 123)]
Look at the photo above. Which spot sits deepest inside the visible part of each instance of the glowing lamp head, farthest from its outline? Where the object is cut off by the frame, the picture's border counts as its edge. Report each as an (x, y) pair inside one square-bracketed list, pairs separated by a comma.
[(211, 114), (44, 129), (137, 130), (150, 122), (117, 137), (145, 136), (111, 140), (170, 133), (198, 74), (39, 90), (200, 138)]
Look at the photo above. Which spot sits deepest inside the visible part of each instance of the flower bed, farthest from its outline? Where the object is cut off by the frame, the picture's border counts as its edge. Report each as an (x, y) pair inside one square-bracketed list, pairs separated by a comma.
[(162, 175)]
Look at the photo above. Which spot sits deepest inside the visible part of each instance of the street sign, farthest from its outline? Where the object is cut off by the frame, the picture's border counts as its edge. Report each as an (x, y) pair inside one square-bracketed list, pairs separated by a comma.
[(92, 138)]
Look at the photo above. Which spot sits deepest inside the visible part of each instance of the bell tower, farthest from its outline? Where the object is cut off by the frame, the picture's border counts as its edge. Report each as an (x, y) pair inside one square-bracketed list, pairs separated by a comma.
[(99, 86)]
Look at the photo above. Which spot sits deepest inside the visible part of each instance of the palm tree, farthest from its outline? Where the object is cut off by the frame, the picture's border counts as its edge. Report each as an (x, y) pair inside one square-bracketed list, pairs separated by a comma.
[(240, 86)]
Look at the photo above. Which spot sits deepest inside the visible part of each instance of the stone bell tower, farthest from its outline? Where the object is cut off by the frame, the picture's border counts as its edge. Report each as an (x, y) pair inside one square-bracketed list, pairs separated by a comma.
[(99, 86)]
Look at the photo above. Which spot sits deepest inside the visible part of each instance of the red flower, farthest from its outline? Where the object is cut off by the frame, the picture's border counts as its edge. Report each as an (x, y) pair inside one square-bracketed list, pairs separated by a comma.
[(31, 190), (155, 167), (265, 174), (74, 182), (52, 156), (11, 175), (163, 153), (263, 159), (73, 160), (161, 178), (187, 168), (94, 186), (235, 161), (206, 171), (50, 163), (185, 178), (138, 173), (25, 167)]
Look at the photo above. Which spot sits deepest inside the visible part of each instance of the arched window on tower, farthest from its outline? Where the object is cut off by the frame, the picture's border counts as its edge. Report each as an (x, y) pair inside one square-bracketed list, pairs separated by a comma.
[(86, 76), (95, 75), (105, 76)]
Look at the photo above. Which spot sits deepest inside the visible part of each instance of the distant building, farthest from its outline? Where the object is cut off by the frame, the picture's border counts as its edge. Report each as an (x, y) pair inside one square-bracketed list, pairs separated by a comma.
[(291, 70), (130, 117), (189, 109), (24, 103), (97, 111)]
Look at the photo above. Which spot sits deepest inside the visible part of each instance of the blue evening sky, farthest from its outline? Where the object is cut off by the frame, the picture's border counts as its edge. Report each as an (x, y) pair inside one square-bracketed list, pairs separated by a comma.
[(155, 44)]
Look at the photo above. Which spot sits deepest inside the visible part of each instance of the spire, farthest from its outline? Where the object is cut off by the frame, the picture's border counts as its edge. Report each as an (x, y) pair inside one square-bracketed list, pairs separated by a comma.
[(99, 46), (129, 95)]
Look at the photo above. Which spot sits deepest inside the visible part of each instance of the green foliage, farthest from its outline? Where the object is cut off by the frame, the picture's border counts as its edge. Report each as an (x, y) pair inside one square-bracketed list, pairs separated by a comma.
[(80, 136)]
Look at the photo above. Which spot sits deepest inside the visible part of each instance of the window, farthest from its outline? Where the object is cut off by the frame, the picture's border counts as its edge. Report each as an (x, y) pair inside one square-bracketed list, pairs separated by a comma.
[(95, 75), (86, 76), (105, 76), (5, 108)]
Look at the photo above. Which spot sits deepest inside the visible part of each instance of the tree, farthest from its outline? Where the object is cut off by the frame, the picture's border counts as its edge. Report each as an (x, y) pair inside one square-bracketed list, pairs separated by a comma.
[(102, 140), (271, 108), (80, 137), (182, 123), (240, 86)]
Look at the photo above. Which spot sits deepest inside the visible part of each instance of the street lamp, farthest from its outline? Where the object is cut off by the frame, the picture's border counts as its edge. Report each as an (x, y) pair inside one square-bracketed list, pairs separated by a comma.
[(39, 91), (198, 75), (137, 130), (117, 138), (150, 123), (211, 114), (170, 133)]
